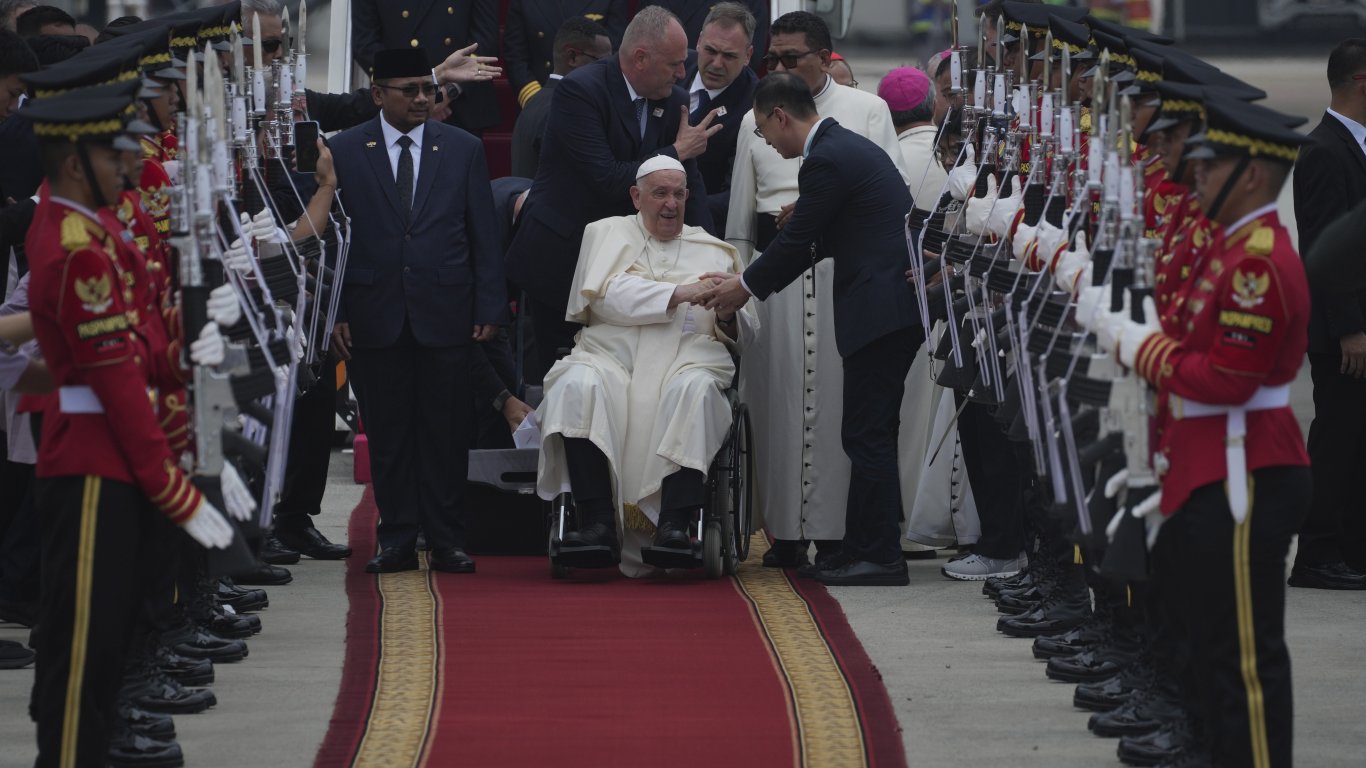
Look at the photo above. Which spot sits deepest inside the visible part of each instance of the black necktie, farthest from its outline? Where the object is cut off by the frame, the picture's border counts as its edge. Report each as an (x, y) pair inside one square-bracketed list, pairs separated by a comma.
[(703, 101), (404, 180), (640, 116)]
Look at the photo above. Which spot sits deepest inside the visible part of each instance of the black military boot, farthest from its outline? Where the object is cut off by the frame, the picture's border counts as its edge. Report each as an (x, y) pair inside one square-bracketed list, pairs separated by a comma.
[(1111, 693), (1147, 710), (1175, 740), (146, 723), (202, 608), (240, 599), (1094, 664), (1077, 639), (993, 586), (130, 749), (183, 669), (188, 639), (146, 687), (1065, 606)]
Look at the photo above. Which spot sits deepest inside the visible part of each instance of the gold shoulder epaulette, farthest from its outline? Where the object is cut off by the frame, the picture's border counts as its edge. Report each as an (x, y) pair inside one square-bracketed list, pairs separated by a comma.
[(75, 236), (1261, 242)]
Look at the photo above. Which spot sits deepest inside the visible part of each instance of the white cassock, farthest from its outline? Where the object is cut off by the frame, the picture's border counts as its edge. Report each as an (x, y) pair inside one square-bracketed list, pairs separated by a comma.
[(792, 378), (934, 485), (644, 382)]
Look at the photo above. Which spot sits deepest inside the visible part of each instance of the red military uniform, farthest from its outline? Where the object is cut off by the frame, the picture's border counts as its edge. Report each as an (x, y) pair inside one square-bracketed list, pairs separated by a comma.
[(99, 327), (1242, 326)]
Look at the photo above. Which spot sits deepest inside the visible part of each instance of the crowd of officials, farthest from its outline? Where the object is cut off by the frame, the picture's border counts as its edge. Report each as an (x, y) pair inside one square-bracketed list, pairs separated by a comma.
[(762, 122)]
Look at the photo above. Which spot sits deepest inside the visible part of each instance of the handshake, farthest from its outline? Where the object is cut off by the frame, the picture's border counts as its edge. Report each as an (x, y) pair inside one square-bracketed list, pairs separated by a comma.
[(719, 291)]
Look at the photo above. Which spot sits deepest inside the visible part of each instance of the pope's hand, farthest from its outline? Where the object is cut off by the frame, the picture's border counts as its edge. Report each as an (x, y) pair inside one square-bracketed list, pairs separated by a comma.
[(208, 349), (963, 179), (1133, 334), (727, 293), (223, 307), (208, 527), (236, 496), (979, 209)]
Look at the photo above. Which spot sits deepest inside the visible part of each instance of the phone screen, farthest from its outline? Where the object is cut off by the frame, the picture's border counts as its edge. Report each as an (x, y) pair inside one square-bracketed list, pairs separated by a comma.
[(306, 146)]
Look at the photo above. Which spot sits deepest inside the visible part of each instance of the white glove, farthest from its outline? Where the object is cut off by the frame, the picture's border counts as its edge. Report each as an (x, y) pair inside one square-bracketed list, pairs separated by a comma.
[(1132, 334), (1073, 263), (1116, 483), (963, 178), (263, 229), (236, 257), (296, 345), (1003, 214), (172, 168), (1108, 327), (980, 340), (1024, 236), (223, 307), (1150, 511), (979, 209), (208, 527), (208, 349), (1051, 239), (236, 496), (1092, 302)]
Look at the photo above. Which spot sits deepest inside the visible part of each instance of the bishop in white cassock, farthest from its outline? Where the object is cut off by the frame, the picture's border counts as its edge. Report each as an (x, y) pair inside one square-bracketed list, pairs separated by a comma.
[(634, 415), (791, 378)]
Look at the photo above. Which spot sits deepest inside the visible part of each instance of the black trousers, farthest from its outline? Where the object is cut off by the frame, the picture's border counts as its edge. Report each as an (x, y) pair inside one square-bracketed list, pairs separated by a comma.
[(102, 548), (416, 404), (590, 477), (1223, 587), (19, 533), (553, 333), (996, 479), (310, 451), (874, 382), (1335, 529)]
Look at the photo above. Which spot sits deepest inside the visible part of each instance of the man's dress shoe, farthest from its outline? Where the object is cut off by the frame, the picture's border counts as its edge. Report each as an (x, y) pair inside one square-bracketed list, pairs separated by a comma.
[(264, 575), (672, 534), (241, 600), (276, 552), (311, 542), (830, 562), (392, 560), (130, 749), (1337, 575), (861, 573), (453, 560), (786, 553)]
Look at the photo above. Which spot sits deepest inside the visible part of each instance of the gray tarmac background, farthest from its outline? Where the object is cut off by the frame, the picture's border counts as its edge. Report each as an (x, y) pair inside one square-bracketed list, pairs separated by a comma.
[(964, 694)]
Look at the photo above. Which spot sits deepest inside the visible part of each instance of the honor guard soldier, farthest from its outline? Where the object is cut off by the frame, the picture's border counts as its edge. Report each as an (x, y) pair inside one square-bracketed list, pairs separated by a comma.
[(529, 37), (107, 484), (1232, 462)]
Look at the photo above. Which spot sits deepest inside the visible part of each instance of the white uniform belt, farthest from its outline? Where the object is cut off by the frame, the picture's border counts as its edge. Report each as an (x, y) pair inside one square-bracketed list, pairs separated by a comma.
[(1235, 449), (82, 399)]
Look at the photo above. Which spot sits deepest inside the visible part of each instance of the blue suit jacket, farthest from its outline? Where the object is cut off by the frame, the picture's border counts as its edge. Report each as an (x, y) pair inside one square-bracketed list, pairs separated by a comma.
[(852, 207), (591, 150), (443, 273), (717, 162)]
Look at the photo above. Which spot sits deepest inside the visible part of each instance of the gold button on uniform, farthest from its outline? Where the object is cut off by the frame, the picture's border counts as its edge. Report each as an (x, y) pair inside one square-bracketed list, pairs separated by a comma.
[(540, 34), (405, 14), (413, 42), (447, 41), (450, 9)]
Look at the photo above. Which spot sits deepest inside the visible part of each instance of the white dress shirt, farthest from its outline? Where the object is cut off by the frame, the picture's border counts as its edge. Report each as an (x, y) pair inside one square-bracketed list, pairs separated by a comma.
[(695, 92), (1357, 130), (391, 136)]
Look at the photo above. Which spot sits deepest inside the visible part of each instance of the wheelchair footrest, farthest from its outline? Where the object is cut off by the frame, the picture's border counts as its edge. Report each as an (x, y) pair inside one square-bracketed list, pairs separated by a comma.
[(586, 557), (671, 557)]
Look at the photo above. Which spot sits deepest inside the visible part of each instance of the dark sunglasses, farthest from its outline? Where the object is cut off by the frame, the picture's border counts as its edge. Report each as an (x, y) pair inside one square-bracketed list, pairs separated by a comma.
[(272, 45), (583, 53), (789, 60), (411, 91)]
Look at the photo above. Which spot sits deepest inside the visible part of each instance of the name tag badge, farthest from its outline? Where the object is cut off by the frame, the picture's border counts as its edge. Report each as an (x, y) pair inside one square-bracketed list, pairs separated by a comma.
[(658, 112), (720, 111)]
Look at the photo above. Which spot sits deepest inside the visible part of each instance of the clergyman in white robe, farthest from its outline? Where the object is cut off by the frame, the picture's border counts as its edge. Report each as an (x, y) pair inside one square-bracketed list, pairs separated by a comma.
[(644, 383)]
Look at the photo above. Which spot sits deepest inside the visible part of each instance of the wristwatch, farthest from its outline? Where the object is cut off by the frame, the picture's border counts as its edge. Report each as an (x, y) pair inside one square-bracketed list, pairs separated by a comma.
[(501, 400)]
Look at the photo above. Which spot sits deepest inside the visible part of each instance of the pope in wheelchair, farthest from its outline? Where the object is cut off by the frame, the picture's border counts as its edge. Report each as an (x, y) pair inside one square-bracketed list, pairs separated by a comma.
[(633, 416)]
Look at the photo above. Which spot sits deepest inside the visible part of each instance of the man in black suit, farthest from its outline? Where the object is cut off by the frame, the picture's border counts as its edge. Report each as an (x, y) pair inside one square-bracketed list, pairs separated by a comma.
[(438, 28), (578, 42), (605, 119), (693, 15), (423, 280), (718, 79), (531, 32), (1330, 178), (851, 208)]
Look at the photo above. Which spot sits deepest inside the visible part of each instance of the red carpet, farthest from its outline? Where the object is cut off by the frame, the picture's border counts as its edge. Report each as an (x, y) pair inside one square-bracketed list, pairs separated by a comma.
[(511, 668)]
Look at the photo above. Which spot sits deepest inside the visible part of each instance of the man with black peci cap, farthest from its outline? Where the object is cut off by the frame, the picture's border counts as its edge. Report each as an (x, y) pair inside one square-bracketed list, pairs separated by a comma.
[(1232, 463), (424, 279), (107, 482)]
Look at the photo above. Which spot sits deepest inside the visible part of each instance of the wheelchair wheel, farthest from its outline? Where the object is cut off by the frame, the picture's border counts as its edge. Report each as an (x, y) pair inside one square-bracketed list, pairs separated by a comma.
[(558, 571), (741, 484), (714, 548)]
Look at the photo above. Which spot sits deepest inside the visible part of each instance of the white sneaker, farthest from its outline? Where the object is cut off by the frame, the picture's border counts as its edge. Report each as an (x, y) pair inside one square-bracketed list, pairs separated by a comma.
[(978, 568)]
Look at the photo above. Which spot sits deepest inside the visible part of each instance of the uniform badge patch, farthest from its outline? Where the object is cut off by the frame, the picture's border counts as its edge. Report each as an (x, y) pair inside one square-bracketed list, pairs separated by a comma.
[(1249, 290), (96, 294)]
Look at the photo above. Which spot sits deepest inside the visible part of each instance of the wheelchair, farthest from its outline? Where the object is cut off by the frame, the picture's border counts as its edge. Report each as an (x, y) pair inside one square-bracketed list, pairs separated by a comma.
[(720, 534)]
